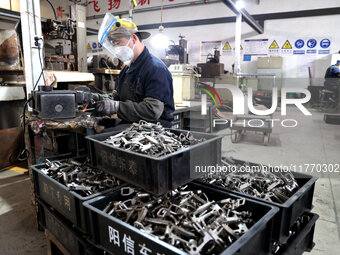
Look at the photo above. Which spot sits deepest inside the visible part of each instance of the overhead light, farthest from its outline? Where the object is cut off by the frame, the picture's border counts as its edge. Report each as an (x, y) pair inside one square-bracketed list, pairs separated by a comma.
[(239, 4), (160, 41)]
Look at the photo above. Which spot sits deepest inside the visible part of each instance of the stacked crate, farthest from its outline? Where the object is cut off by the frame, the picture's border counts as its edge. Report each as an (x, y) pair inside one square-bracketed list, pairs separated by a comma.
[(80, 224)]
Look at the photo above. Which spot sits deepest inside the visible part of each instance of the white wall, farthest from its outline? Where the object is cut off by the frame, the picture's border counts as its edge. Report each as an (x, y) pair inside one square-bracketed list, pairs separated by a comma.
[(47, 12), (321, 26)]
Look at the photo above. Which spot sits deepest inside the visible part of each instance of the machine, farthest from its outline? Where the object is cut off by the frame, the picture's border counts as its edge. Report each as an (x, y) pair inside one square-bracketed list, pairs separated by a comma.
[(63, 104), (212, 67), (105, 69)]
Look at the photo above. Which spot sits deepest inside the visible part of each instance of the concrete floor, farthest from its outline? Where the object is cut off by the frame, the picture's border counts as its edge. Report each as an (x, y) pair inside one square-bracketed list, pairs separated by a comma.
[(312, 141), (18, 232)]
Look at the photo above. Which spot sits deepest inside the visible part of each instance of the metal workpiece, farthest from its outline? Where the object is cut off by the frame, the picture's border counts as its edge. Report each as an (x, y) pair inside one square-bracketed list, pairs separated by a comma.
[(184, 218), (258, 181), (80, 177), (151, 139)]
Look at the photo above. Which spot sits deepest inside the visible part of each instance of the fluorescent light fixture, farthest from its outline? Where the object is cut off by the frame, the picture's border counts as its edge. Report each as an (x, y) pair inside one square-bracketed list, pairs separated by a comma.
[(160, 41), (239, 4)]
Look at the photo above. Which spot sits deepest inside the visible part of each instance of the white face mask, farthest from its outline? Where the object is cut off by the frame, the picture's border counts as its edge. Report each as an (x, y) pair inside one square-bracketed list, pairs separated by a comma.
[(125, 53)]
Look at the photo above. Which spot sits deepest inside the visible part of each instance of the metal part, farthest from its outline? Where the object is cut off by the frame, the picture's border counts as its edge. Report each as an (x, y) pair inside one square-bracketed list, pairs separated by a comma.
[(80, 177), (151, 139), (184, 218), (259, 181)]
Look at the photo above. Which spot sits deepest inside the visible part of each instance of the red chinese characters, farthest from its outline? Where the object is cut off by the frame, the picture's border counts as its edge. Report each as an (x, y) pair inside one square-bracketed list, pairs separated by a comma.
[(95, 6), (114, 4), (60, 12), (142, 2)]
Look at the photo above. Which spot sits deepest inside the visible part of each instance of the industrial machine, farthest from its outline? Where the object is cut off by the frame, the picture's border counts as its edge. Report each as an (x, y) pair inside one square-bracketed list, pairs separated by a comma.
[(184, 81), (105, 69), (212, 67), (63, 104), (64, 42), (179, 52), (60, 44)]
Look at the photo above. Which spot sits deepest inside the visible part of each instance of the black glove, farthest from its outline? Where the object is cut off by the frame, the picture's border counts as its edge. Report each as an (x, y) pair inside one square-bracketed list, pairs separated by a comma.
[(107, 107)]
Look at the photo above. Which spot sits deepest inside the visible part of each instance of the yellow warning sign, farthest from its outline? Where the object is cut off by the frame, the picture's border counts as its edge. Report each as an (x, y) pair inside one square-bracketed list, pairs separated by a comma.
[(227, 46), (274, 45), (287, 45), (89, 46)]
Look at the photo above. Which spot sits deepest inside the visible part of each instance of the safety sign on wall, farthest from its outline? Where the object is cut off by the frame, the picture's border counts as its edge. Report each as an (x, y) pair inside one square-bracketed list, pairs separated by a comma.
[(286, 48), (300, 46), (256, 47), (325, 45), (94, 47), (274, 48), (229, 48)]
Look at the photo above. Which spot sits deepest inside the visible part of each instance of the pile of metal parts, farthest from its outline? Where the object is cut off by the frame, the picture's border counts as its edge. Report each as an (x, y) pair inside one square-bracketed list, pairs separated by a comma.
[(184, 218), (151, 139), (80, 177), (272, 186)]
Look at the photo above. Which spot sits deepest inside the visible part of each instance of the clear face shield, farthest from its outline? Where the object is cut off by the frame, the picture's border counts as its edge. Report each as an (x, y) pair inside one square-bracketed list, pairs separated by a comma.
[(112, 34)]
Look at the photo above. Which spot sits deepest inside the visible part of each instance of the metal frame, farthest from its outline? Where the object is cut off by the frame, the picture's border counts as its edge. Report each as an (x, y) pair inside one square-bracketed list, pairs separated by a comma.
[(245, 15), (31, 27)]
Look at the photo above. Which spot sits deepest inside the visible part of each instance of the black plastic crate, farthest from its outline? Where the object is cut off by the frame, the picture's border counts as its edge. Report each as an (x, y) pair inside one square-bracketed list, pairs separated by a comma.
[(69, 238), (291, 210), (332, 119), (57, 195), (107, 231), (155, 175), (303, 240)]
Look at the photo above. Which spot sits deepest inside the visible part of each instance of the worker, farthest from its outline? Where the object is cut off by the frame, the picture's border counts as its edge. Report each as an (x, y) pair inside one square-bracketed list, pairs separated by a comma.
[(144, 87), (332, 76)]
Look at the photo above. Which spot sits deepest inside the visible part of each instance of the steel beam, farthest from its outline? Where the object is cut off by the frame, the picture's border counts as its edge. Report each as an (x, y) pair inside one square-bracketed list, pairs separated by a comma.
[(238, 33), (245, 15)]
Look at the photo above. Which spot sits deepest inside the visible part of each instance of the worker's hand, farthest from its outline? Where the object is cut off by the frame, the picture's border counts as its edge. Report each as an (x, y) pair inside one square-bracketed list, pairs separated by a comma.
[(107, 107)]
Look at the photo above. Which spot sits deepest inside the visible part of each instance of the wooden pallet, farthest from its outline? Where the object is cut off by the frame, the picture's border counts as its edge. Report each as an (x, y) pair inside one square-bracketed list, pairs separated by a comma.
[(54, 247)]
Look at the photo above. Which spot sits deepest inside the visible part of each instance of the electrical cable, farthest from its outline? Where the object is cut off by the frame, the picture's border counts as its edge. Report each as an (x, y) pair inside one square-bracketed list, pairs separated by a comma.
[(23, 152), (55, 14), (162, 13)]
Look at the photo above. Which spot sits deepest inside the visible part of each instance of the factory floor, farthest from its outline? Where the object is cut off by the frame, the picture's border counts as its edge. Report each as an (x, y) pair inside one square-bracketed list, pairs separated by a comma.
[(312, 141)]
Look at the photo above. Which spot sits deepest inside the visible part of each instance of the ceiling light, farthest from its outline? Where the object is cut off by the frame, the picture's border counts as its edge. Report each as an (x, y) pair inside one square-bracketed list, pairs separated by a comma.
[(160, 41), (239, 4)]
